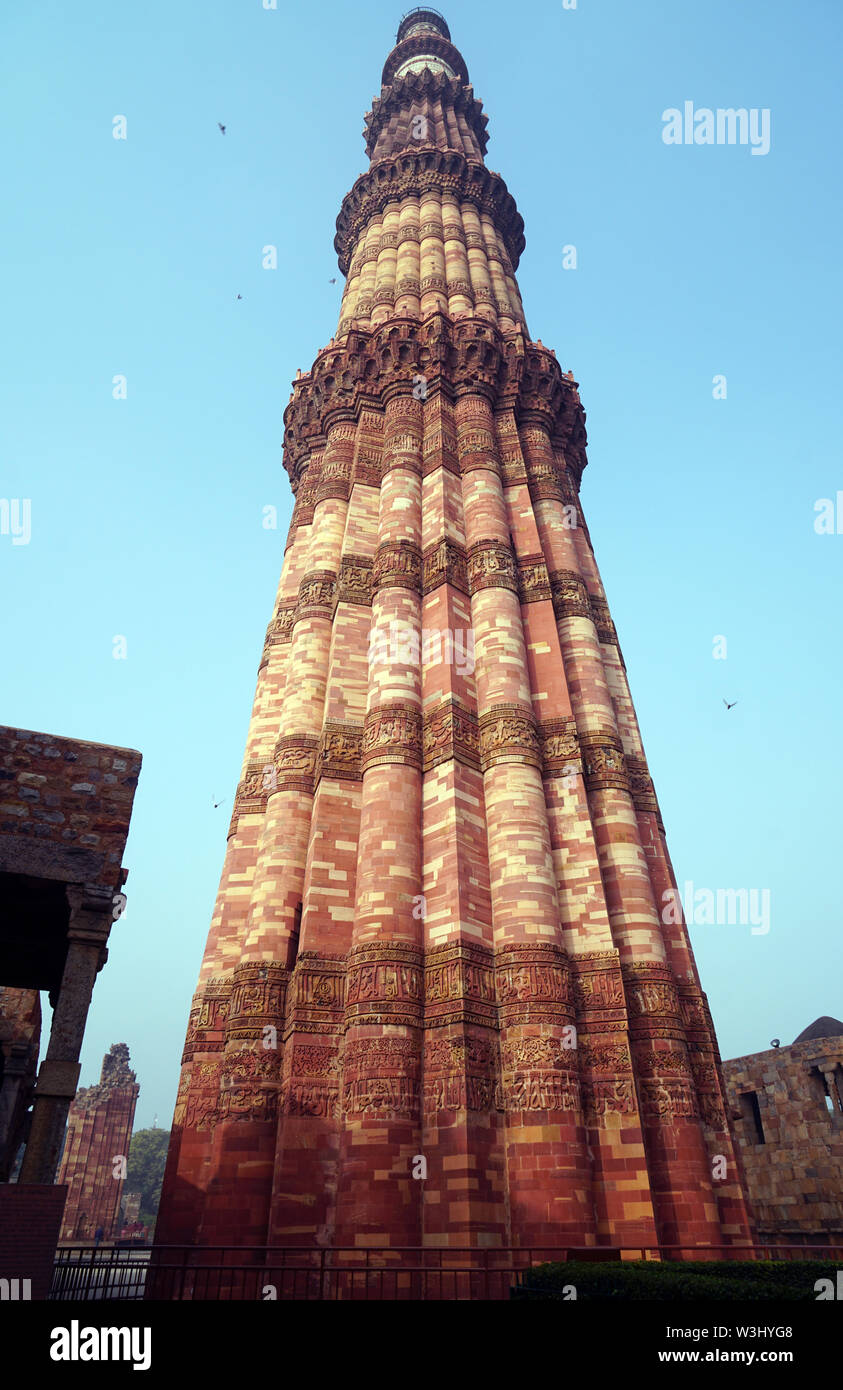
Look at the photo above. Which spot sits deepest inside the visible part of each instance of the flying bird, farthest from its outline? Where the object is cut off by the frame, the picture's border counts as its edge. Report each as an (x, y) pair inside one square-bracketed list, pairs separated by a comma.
[(730, 706), (218, 803), (333, 282), (221, 126), (239, 296)]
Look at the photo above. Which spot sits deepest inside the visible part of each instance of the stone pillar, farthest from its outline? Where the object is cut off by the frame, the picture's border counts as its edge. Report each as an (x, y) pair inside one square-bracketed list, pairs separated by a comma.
[(12, 1103), (20, 1031), (58, 1077)]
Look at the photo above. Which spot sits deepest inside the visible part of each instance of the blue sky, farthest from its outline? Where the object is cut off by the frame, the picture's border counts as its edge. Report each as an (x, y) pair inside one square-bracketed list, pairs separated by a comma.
[(126, 257)]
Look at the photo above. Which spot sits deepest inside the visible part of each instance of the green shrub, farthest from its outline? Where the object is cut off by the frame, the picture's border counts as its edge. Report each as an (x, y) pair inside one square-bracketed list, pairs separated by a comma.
[(683, 1281)]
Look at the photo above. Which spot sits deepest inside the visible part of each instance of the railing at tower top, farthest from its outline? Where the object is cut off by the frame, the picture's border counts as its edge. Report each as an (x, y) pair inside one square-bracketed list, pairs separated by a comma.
[(420, 10), (173, 1273)]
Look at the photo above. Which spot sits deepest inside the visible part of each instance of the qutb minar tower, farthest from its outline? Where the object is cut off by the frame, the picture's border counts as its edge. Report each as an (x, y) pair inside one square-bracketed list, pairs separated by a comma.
[(439, 931)]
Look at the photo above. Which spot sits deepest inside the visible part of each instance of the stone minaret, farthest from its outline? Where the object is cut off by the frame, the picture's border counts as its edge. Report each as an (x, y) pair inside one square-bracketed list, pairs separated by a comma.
[(439, 928), (99, 1131)]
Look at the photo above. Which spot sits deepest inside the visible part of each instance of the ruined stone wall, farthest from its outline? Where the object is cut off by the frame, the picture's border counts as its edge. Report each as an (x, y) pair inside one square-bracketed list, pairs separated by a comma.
[(99, 1130), (65, 807), (794, 1178)]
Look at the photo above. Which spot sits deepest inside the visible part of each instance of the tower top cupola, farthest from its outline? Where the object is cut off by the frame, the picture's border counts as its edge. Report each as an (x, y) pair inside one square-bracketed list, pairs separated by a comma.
[(422, 21), (423, 41)]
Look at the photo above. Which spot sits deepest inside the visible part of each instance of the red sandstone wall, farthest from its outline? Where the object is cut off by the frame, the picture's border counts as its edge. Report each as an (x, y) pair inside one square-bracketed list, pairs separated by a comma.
[(99, 1132), (30, 1216)]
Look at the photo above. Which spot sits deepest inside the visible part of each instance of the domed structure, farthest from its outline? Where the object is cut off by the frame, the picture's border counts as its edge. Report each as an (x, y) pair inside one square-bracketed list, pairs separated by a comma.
[(824, 1027)]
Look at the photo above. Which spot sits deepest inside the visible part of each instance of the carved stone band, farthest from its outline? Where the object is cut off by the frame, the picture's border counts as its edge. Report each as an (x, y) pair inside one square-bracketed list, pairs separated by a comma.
[(545, 480), (603, 763), (207, 1020), (508, 734), (384, 984), (295, 762), (398, 566), (641, 785), (533, 579), (258, 998), (355, 581), (382, 1076), (608, 1097), (560, 747), (305, 503), (459, 986), (444, 563), (392, 734), (602, 620), (340, 751), (598, 990), (440, 451), (318, 994), (367, 468), (397, 453), (513, 470), (478, 457), (603, 1055), (281, 627), (491, 565), (334, 475), (570, 595), (664, 1099), (450, 731), (533, 983), (317, 595), (465, 360), (652, 1002), (252, 792)]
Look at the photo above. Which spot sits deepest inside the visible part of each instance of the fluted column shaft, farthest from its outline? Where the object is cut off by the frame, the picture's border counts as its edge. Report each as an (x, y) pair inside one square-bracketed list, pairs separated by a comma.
[(703, 1055), (540, 1081), (378, 1197), (463, 1137), (659, 1047)]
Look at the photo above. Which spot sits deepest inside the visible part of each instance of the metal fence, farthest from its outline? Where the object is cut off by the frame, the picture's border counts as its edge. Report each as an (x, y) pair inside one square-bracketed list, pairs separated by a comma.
[(113, 1272), (178, 1272)]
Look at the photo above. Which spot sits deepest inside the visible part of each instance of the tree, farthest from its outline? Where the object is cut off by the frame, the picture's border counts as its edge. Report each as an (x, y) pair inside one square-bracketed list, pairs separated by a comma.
[(147, 1157)]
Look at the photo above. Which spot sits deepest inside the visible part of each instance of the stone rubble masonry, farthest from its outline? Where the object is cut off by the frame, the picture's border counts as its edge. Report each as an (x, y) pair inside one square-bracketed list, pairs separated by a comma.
[(794, 1179), (437, 930), (99, 1131), (65, 807)]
